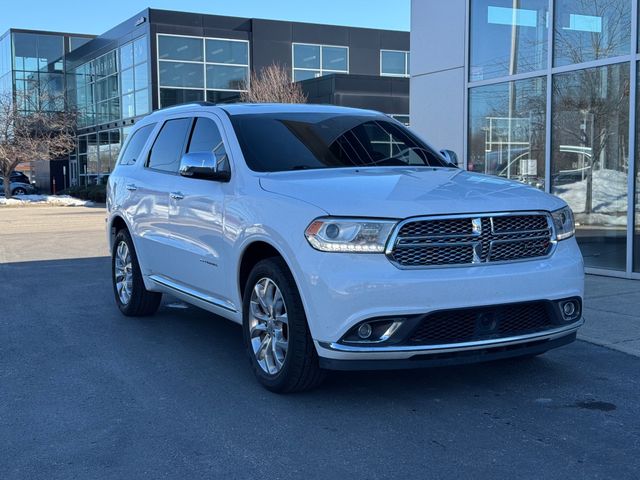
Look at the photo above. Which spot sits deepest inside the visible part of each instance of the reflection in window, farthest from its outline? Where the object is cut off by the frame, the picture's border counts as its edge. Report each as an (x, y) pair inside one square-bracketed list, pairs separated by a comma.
[(589, 160), (507, 130), (394, 63), (587, 30), (311, 61), (134, 78), (507, 40)]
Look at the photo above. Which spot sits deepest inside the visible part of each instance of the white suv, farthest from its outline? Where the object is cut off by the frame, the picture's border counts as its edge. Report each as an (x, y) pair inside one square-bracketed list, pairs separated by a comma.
[(339, 240)]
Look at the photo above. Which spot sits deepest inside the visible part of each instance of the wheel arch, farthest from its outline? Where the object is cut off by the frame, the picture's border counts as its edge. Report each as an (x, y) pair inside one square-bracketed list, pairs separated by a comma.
[(252, 253)]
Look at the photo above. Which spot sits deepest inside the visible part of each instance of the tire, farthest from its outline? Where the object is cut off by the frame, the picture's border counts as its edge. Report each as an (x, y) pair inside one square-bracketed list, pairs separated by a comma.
[(136, 301), (19, 191), (297, 368)]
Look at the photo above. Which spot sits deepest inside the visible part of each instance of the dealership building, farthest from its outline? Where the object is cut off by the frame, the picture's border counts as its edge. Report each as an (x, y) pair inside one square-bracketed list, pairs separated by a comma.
[(160, 58), (544, 92)]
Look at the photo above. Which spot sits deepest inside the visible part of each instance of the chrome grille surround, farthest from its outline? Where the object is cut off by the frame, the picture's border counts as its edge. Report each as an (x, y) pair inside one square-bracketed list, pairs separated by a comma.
[(471, 239)]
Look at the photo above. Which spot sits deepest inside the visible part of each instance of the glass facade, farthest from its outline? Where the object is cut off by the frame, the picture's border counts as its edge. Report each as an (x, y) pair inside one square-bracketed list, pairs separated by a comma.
[(312, 61), (198, 68), (560, 116), (5, 65), (507, 37), (38, 71), (507, 125), (113, 86), (394, 63)]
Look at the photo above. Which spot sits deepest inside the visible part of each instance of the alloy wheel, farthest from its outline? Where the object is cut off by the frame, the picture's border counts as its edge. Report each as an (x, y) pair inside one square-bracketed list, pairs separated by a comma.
[(268, 326), (123, 273)]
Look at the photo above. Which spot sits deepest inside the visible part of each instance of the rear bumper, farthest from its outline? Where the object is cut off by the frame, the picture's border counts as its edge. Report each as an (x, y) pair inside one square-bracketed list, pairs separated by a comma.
[(334, 356)]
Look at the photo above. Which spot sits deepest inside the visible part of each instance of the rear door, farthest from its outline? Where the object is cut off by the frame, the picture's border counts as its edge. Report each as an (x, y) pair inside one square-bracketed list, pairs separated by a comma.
[(197, 219), (157, 180)]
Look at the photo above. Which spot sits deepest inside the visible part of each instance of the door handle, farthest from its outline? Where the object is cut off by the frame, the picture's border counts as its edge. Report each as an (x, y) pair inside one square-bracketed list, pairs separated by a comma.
[(176, 195), (131, 187)]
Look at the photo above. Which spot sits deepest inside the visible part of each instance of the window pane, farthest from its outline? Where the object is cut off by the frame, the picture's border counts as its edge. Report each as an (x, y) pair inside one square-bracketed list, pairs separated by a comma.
[(507, 130), (126, 77), (299, 75), (334, 58), (142, 76), (25, 47), (126, 56), (176, 74), (226, 51), (589, 158), (219, 96), (227, 77), (136, 144), (176, 96), (140, 53), (589, 30), (306, 56), (106, 64), (206, 136), (507, 40), (180, 48), (167, 149), (50, 52), (142, 102), (128, 106), (392, 63)]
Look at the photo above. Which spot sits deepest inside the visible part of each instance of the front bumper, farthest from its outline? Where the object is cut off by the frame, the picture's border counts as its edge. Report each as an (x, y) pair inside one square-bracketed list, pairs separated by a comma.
[(336, 356), (340, 290)]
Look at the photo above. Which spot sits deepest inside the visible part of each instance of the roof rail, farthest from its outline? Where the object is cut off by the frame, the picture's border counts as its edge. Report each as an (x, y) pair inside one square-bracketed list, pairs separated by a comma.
[(188, 104)]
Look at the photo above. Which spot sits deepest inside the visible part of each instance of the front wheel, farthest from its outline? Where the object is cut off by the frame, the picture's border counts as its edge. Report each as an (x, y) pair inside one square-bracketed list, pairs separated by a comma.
[(132, 298), (276, 333), (19, 191)]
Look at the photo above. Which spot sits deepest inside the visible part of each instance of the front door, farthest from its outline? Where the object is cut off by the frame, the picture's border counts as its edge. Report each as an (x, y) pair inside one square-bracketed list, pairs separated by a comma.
[(196, 215)]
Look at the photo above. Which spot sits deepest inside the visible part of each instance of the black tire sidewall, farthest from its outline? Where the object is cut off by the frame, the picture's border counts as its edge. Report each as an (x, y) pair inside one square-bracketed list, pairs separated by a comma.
[(298, 336), (128, 309)]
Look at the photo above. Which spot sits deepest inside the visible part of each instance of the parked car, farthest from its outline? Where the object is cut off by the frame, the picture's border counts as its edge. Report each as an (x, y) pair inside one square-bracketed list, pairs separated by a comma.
[(339, 240), (18, 188), (19, 177)]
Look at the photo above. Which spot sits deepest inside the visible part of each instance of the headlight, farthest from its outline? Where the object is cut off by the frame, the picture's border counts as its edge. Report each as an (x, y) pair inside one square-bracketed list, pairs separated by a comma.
[(349, 235), (563, 221)]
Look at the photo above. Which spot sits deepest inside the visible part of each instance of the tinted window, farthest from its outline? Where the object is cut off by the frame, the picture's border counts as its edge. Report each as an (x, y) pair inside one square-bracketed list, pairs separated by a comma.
[(134, 147), (206, 136), (167, 149), (300, 141)]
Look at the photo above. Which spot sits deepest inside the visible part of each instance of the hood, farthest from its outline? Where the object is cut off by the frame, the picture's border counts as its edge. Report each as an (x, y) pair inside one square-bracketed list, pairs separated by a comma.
[(401, 192)]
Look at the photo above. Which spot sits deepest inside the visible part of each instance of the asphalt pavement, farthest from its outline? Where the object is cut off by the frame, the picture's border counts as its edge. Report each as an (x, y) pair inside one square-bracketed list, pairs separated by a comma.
[(87, 393)]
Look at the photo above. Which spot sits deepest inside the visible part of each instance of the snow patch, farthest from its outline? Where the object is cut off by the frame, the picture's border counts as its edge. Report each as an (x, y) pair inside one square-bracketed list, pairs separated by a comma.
[(54, 200)]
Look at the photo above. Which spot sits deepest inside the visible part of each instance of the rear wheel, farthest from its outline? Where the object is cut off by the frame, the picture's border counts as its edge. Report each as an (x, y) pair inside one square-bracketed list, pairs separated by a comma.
[(19, 191), (132, 298), (277, 338)]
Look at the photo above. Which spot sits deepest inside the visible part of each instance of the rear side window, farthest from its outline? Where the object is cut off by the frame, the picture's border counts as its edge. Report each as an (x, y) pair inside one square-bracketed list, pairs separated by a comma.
[(168, 147), (137, 142)]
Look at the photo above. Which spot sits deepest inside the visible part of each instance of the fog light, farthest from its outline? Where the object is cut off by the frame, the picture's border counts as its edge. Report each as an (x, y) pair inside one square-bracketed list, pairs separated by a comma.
[(365, 331), (569, 309)]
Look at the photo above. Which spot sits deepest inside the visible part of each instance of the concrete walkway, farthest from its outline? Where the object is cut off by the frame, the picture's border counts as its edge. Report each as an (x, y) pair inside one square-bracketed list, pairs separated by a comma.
[(612, 313)]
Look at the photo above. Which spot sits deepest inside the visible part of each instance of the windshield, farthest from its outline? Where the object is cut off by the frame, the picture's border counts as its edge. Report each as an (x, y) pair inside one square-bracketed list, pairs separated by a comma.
[(299, 141)]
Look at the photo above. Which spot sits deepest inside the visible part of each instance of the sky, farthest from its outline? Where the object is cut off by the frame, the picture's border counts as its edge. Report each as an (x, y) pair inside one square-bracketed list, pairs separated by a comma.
[(97, 16)]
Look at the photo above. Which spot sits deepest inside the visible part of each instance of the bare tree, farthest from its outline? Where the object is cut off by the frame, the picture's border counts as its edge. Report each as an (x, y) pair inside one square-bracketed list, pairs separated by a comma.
[(34, 125), (273, 85)]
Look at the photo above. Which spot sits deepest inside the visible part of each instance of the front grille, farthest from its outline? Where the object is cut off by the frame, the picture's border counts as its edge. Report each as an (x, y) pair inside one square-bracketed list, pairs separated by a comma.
[(471, 240), (453, 326)]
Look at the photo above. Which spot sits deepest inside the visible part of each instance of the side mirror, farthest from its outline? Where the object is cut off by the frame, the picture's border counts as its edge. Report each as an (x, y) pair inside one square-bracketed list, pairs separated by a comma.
[(205, 165), (450, 156)]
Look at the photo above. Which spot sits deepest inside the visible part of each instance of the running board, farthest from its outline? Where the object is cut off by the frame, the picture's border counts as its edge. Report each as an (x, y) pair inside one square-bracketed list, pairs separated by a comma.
[(189, 292)]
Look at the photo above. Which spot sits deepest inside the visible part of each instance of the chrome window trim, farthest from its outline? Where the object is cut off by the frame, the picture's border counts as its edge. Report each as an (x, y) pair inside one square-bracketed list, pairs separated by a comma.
[(391, 243)]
